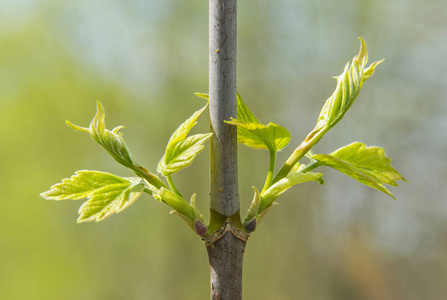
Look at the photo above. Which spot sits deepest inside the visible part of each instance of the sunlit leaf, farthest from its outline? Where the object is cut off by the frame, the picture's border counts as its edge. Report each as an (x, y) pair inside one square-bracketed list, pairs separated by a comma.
[(368, 165), (181, 154), (182, 131), (256, 135), (112, 140), (203, 95), (106, 193), (182, 150), (115, 145), (244, 114), (349, 84)]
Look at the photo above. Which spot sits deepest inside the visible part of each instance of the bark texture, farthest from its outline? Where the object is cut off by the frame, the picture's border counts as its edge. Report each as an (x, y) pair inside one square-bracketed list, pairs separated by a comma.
[(227, 244), (226, 258), (222, 91)]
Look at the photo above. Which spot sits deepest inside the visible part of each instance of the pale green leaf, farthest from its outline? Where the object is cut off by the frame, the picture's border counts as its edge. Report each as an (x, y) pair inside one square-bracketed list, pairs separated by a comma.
[(203, 95), (112, 140), (192, 203), (115, 145), (182, 150), (368, 165), (256, 135), (244, 114), (294, 177), (349, 84), (106, 193), (182, 131), (253, 210), (182, 153)]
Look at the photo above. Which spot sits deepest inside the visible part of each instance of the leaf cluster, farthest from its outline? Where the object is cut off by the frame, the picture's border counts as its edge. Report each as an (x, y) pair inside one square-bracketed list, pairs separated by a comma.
[(369, 166), (107, 194)]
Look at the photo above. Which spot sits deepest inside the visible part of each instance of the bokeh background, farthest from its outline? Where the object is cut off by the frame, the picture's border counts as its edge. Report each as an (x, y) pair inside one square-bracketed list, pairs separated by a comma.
[(144, 59)]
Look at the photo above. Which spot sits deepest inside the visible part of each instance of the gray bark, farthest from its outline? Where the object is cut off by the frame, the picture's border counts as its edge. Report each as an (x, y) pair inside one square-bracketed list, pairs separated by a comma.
[(227, 244), (226, 254), (222, 91)]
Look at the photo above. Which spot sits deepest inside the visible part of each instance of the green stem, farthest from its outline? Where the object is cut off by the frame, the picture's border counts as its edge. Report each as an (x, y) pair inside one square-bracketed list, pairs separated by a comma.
[(300, 151), (148, 191), (172, 185), (310, 166), (269, 179), (151, 178)]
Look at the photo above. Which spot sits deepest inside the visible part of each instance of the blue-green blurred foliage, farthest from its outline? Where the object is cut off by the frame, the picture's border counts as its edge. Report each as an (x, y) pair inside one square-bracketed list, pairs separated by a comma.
[(144, 60)]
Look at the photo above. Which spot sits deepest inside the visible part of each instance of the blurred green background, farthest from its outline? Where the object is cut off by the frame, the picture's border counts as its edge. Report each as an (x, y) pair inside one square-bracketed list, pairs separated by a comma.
[(144, 59)]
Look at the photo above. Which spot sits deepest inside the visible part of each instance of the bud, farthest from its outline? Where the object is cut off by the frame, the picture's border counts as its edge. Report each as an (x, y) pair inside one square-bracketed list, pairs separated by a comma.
[(251, 225), (200, 228), (254, 207)]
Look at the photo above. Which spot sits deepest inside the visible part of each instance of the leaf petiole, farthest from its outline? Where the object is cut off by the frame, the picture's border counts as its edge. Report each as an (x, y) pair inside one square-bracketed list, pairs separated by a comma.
[(310, 166), (146, 174), (148, 191), (305, 146), (269, 179), (172, 185)]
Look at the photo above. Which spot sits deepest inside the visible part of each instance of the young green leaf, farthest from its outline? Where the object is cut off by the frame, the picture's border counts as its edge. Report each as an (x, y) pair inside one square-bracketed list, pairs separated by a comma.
[(203, 95), (182, 150), (182, 153), (296, 176), (244, 114), (182, 131), (368, 165), (256, 135), (115, 145), (349, 84), (260, 136), (106, 193), (253, 210), (192, 203), (112, 141)]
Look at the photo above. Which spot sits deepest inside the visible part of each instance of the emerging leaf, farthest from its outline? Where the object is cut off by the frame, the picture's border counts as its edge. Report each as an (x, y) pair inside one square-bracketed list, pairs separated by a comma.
[(112, 141), (115, 145), (256, 135), (182, 150), (107, 193), (294, 177), (182, 131), (368, 165), (253, 210), (244, 114), (271, 136), (178, 204), (181, 154), (349, 84), (203, 95)]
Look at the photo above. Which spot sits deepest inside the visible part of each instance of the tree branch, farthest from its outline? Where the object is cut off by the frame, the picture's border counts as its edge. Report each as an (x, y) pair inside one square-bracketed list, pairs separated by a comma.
[(222, 92), (227, 245)]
